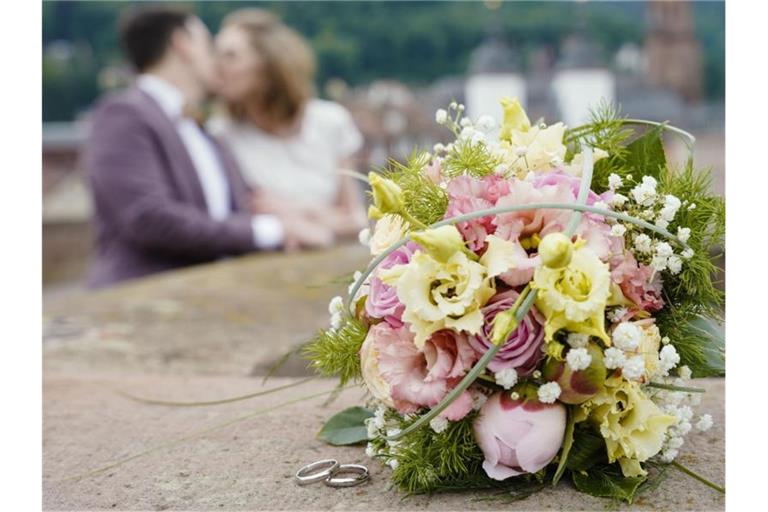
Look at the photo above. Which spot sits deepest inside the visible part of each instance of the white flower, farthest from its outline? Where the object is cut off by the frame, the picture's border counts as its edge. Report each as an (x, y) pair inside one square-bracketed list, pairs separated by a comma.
[(668, 455), (634, 368), (601, 204), (671, 205), (364, 237), (465, 122), (370, 451), (618, 230), (645, 193), (336, 305), (675, 264), (441, 116), (378, 416), (514, 395), (668, 358), (486, 123), (643, 243), (675, 442), (664, 249), (684, 234), (336, 320), (704, 423), (614, 358), (617, 314), (520, 151), (478, 399), (685, 413), (614, 181), (684, 427), (665, 340), (687, 254), (370, 425), (506, 378), (453, 105), (618, 200), (692, 206), (577, 340), (439, 424), (659, 263), (684, 372), (392, 463), (438, 148), (662, 223), (536, 374), (357, 275), (578, 359), (549, 392), (627, 336)]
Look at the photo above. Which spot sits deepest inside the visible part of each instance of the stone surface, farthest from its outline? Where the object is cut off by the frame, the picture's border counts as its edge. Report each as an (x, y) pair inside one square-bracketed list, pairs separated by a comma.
[(206, 333)]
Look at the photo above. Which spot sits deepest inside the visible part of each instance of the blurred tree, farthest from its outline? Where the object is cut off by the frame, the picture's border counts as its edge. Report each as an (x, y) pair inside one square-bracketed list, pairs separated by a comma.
[(414, 42)]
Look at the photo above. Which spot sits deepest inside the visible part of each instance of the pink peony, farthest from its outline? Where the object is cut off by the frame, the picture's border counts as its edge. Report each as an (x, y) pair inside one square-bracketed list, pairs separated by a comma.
[(466, 195), (518, 436), (421, 379), (382, 301), (522, 350), (638, 283)]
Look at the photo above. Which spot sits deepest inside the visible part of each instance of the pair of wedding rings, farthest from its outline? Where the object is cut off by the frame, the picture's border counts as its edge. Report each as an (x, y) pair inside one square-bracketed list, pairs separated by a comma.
[(329, 472)]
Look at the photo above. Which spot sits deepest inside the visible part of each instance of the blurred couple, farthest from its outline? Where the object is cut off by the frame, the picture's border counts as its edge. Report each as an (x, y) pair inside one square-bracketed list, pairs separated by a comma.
[(170, 191)]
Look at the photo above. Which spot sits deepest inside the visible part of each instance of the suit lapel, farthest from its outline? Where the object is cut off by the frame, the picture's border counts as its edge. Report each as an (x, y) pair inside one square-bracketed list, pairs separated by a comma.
[(181, 168)]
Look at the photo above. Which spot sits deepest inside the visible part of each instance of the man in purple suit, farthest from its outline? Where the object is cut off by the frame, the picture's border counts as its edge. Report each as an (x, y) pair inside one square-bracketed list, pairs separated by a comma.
[(166, 194)]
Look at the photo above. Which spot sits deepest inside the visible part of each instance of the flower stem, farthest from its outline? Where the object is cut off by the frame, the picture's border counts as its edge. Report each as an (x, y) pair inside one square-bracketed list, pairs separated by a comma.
[(670, 387), (698, 477)]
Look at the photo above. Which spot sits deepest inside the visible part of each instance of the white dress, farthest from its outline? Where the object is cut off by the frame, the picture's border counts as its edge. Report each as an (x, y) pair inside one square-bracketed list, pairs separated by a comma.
[(302, 166)]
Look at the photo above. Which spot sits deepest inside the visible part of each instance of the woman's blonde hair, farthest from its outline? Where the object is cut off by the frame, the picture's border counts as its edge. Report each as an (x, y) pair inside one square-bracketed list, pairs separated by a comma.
[(289, 68)]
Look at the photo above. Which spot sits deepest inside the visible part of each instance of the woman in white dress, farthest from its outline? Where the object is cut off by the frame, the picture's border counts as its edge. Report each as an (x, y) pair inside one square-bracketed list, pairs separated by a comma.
[(290, 145)]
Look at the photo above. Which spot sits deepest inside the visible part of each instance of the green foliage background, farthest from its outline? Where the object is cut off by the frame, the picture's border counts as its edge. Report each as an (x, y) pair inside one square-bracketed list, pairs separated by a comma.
[(414, 42)]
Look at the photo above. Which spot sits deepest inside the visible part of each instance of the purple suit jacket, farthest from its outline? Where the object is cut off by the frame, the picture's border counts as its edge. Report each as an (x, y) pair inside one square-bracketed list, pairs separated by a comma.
[(150, 211)]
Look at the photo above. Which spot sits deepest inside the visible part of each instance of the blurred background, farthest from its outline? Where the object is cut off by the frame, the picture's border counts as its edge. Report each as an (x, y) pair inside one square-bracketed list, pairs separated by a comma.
[(392, 64)]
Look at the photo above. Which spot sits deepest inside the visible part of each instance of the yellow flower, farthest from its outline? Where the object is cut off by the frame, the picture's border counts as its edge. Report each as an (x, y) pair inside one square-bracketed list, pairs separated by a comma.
[(631, 424), (574, 297), (576, 165), (515, 119), (556, 250), (442, 243), (387, 196), (388, 230), (441, 290), (369, 365)]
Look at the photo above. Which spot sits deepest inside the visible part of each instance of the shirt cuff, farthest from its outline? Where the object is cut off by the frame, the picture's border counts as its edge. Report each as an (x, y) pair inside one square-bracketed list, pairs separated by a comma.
[(268, 231)]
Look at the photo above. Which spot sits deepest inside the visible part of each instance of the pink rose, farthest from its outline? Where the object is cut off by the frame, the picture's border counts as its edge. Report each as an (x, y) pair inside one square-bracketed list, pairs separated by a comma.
[(382, 301), (466, 195), (421, 379), (522, 350), (637, 284), (518, 436)]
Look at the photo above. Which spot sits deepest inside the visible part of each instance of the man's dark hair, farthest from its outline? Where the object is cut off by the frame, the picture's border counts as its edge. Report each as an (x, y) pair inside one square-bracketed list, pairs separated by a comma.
[(145, 33)]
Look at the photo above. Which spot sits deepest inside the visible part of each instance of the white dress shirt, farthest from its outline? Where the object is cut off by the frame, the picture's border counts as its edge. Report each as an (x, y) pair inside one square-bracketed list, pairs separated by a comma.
[(268, 231)]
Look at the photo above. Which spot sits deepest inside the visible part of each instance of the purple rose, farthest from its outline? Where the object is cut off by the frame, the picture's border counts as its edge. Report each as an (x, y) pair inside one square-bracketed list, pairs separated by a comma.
[(518, 436), (382, 301), (522, 350)]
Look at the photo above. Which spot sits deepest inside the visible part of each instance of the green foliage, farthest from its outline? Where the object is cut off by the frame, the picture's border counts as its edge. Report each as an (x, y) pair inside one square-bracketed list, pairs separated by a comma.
[(588, 448), (471, 159), (567, 444), (607, 481), (692, 294), (423, 199), (429, 462), (334, 353), (346, 427)]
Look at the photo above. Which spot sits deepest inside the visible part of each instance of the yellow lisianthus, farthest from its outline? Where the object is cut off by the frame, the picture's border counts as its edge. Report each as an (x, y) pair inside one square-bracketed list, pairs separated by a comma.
[(515, 119), (574, 297), (387, 196), (441, 290), (631, 424), (388, 230)]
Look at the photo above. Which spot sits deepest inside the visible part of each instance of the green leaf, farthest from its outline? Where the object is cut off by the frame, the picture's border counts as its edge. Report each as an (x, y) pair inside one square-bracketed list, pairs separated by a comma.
[(346, 427), (645, 155), (607, 482), (588, 449), (567, 443)]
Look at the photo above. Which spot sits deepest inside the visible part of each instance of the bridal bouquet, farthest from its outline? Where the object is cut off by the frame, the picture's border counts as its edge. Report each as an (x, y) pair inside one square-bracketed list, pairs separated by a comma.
[(537, 301)]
